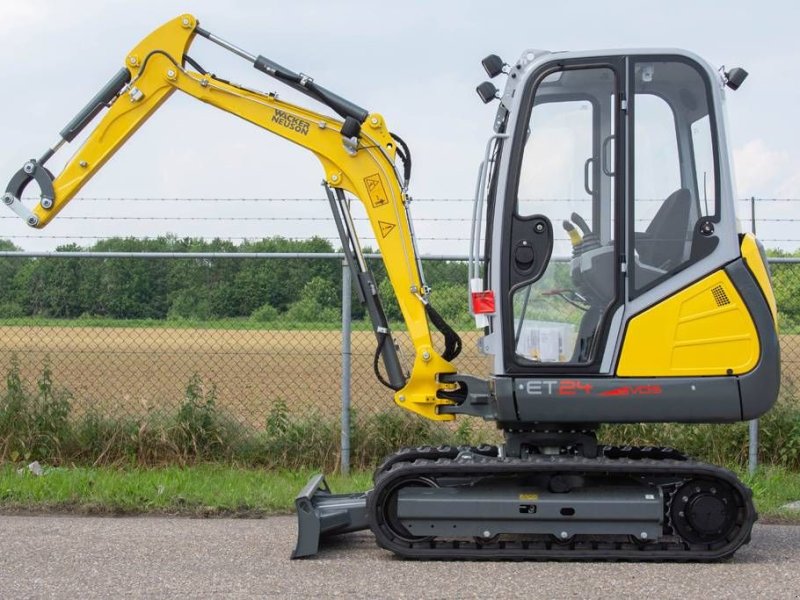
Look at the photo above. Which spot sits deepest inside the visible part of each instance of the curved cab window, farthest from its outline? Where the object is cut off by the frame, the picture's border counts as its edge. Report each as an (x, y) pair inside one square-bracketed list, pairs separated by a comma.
[(567, 174), (674, 169)]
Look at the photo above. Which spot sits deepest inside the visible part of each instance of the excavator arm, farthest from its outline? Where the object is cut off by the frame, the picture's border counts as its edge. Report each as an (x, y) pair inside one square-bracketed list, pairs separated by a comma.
[(357, 155)]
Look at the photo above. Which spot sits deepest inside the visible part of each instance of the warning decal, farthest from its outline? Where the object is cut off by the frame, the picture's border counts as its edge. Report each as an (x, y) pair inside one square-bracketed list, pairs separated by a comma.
[(386, 228), (376, 191)]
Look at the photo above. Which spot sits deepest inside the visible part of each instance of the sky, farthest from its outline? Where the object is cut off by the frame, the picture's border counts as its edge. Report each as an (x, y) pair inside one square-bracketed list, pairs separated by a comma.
[(415, 62)]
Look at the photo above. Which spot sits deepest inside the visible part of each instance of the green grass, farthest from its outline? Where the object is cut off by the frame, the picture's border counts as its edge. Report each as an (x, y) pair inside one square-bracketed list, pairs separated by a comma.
[(203, 490), (242, 323), (218, 490), (772, 488)]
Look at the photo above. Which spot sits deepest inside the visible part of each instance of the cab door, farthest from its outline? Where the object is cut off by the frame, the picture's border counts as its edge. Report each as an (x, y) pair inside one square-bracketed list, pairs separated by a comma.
[(561, 250)]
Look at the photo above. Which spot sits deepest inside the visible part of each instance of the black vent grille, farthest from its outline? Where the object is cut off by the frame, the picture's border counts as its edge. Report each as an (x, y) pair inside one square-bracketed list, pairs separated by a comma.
[(720, 297)]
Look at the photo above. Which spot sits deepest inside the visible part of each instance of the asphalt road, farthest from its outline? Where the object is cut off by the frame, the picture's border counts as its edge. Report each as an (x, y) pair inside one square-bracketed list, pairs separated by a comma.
[(83, 557)]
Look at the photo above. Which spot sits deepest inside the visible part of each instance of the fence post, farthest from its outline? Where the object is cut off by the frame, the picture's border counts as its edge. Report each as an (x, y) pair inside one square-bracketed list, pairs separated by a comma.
[(753, 450), (346, 361), (752, 454)]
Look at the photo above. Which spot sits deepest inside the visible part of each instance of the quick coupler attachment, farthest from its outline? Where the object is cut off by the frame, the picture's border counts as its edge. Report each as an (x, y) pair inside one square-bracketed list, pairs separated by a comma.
[(33, 170), (321, 514)]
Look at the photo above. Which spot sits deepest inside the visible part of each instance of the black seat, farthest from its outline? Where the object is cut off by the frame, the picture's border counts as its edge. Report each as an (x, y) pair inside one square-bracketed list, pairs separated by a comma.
[(662, 245)]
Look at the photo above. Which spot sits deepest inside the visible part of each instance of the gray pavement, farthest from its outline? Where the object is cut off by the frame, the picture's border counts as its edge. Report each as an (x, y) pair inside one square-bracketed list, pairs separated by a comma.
[(87, 557)]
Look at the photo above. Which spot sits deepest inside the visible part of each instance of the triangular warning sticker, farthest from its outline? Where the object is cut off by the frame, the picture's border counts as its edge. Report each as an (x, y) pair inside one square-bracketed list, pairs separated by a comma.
[(386, 228)]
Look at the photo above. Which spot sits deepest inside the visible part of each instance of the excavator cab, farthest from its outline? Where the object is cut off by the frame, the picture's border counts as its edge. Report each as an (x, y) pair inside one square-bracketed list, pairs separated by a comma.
[(612, 247)]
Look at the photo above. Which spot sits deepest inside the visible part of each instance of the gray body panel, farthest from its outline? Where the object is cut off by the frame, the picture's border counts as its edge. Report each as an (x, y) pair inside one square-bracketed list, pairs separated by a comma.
[(488, 510), (759, 388), (627, 400), (603, 399)]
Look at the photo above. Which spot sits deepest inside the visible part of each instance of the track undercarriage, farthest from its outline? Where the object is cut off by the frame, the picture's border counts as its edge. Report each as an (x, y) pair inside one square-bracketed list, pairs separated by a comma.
[(471, 503)]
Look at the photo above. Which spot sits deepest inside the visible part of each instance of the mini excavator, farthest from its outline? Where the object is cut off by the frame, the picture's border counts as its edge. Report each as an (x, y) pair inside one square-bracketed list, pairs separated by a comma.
[(663, 313)]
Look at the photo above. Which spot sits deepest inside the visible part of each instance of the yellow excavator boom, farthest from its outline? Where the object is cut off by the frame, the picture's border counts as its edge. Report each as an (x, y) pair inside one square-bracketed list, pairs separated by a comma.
[(357, 156)]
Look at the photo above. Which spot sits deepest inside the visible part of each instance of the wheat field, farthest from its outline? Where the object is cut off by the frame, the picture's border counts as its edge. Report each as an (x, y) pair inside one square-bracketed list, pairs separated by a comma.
[(131, 371)]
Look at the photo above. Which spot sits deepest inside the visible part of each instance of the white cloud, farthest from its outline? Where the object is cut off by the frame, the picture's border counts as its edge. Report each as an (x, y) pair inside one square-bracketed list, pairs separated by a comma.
[(16, 16), (790, 186), (33, 18), (764, 172)]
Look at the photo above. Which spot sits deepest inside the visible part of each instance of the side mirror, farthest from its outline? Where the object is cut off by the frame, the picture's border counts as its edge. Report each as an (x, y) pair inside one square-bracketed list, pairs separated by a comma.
[(735, 77), (493, 65), (486, 91)]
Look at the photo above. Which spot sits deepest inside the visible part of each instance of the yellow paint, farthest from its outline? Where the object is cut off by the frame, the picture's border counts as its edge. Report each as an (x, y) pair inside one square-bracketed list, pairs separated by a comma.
[(690, 333), (369, 174), (755, 263), (125, 116), (574, 236), (528, 496)]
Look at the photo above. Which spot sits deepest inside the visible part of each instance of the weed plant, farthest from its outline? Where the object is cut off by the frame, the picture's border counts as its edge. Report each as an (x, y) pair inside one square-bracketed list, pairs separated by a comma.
[(37, 423)]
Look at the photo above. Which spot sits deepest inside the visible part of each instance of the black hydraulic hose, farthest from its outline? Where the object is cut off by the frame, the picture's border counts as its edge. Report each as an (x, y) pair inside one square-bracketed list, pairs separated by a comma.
[(405, 156), (195, 64), (452, 341), (376, 362)]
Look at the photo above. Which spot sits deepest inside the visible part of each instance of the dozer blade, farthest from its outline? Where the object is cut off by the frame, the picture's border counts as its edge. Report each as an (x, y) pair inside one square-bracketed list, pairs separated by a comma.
[(321, 514)]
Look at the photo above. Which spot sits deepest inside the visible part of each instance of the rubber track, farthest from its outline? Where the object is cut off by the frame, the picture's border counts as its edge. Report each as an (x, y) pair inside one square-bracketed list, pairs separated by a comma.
[(657, 470), (410, 454)]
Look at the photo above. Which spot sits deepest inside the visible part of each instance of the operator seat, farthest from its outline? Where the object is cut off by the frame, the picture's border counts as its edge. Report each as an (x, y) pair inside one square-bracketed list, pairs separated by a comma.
[(663, 244)]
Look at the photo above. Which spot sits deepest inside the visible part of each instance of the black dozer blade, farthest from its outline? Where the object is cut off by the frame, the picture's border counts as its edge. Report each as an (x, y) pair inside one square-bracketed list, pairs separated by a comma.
[(321, 514)]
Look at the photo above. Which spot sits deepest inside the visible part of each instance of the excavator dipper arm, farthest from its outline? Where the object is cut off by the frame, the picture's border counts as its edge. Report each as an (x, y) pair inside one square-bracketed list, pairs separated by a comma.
[(357, 155)]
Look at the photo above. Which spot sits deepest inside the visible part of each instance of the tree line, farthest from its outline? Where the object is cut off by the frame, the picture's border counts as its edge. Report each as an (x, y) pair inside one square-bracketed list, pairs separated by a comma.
[(296, 290), (291, 290)]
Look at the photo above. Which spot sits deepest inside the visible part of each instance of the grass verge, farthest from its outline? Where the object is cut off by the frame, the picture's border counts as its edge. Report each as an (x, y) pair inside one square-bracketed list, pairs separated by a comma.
[(773, 487), (231, 323), (217, 490), (37, 423), (202, 490)]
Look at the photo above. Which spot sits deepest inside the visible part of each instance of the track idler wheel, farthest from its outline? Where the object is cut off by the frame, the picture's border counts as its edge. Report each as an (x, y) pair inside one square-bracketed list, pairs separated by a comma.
[(387, 509), (704, 512)]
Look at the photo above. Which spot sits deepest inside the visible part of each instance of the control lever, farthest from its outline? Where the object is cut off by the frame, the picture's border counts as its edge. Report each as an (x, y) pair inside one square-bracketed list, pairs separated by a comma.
[(580, 222)]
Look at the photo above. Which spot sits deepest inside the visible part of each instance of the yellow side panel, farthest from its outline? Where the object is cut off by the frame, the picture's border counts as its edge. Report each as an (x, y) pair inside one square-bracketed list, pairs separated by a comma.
[(704, 329), (755, 263)]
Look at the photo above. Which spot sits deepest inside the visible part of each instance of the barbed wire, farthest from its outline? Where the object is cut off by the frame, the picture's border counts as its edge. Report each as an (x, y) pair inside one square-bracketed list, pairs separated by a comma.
[(260, 238), (414, 199), (225, 218), (226, 238), (327, 218)]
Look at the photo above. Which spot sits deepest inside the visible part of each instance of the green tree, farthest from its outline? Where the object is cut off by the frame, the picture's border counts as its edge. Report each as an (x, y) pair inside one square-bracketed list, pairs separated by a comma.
[(278, 282), (317, 304), (52, 286), (451, 302), (10, 305)]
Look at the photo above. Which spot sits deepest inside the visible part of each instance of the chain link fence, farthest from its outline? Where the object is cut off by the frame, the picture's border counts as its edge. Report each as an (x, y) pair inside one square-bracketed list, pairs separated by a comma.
[(286, 349), (256, 336), (786, 283)]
